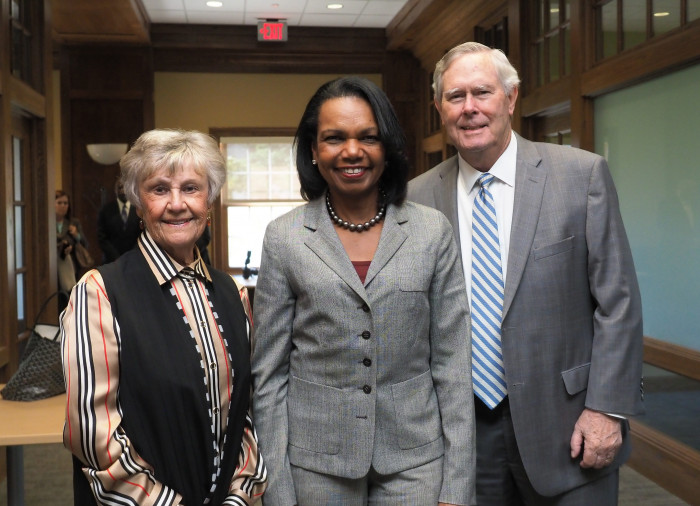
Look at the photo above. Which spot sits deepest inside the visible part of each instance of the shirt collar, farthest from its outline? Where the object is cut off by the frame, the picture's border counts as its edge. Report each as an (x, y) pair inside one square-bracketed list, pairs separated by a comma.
[(163, 266), (503, 169)]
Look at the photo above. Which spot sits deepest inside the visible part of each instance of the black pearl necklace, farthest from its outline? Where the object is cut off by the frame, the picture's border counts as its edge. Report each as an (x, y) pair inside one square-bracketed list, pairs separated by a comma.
[(352, 227)]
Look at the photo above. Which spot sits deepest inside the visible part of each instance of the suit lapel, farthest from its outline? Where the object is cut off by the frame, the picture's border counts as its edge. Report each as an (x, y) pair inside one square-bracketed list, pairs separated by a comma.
[(325, 243), (393, 236), (445, 194), (530, 178)]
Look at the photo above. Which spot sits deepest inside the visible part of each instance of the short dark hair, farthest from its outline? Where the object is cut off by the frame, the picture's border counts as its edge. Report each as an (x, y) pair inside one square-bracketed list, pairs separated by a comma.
[(395, 177)]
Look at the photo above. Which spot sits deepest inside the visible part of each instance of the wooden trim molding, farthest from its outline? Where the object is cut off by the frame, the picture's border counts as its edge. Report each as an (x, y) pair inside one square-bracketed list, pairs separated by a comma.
[(664, 460), (220, 132), (433, 143), (654, 58), (672, 357), (26, 98), (547, 99), (235, 49), (669, 463)]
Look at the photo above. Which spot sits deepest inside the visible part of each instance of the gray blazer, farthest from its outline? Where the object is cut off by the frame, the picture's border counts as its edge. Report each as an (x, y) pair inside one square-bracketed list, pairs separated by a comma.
[(572, 316), (348, 376)]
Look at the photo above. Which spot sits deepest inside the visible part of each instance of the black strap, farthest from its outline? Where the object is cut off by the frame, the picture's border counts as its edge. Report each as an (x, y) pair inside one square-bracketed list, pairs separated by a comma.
[(43, 307)]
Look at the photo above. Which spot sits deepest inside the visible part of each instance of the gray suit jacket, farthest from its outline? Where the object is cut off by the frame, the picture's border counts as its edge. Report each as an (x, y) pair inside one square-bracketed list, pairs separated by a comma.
[(572, 316), (348, 376)]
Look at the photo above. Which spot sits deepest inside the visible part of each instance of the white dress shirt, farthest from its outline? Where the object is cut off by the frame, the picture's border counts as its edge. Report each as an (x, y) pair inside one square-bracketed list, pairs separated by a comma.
[(503, 191)]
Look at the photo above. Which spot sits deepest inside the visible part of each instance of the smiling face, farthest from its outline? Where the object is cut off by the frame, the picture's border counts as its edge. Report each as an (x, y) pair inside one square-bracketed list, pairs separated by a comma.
[(475, 110), (348, 150), (175, 209)]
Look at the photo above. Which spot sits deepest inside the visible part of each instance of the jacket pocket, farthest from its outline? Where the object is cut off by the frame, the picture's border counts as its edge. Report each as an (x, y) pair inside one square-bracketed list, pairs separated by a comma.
[(554, 249), (417, 412), (314, 416), (576, 379)]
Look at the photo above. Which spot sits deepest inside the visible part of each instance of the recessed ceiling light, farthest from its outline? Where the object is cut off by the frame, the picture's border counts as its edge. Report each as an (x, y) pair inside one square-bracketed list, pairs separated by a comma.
[(661, 14), (554, 10), (213, 3), (334, 6)]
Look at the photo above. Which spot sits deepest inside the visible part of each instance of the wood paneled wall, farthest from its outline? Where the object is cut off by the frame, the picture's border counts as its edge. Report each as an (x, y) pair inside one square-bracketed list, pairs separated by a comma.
[(106, 96), (26, 107), (235, 49), (429, 28), (402, 78)]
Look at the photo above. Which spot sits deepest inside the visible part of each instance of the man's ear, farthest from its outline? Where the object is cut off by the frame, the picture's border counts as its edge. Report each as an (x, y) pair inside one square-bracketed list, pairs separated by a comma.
[(439, 109), (512, 98)]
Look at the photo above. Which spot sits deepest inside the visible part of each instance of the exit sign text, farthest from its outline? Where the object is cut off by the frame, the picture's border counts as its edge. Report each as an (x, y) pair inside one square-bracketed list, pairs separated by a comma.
[(272, 31)]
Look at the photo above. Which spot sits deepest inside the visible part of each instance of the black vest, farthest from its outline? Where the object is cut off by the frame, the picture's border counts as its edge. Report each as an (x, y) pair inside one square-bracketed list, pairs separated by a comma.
[(161, 388)]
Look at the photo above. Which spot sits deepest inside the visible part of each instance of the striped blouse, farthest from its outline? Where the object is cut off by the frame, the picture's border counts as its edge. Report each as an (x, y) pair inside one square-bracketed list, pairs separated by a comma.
[(115, 470)]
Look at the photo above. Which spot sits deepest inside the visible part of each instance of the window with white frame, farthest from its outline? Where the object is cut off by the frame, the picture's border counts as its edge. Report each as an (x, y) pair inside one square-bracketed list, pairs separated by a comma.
[(261, 184)]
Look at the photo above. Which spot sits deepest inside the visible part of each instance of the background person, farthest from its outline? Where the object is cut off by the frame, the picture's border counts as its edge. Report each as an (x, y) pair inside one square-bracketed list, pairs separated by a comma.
[(156, 349), (117, 226), (68, 234), (361, 367), (569, 320)]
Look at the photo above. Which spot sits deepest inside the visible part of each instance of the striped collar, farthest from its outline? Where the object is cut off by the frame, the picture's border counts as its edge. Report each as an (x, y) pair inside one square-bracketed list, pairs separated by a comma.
[(163, 266)]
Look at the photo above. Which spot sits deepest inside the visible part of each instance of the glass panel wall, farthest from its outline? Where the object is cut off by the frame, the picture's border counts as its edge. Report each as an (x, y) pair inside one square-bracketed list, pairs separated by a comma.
[(624, 24), (550, 41)]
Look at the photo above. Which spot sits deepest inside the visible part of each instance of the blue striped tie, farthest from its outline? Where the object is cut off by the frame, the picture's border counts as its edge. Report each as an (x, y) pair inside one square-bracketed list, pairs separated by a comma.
[(487, 299)]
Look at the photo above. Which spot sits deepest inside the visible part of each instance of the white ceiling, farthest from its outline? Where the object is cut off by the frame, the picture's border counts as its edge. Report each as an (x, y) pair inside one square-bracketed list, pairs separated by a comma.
[(354, 13)]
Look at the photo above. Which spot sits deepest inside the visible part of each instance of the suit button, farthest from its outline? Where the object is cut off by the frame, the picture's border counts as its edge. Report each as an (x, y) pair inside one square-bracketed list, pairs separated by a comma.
[(367, 362), (366, 334), (365, 308), (367, 389)]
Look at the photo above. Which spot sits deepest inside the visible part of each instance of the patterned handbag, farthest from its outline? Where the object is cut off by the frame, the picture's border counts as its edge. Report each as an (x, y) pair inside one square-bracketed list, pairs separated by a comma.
[(40, 372)]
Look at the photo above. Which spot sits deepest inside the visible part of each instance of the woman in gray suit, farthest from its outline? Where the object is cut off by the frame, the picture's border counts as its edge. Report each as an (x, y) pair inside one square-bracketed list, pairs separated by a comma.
[(361, 367)]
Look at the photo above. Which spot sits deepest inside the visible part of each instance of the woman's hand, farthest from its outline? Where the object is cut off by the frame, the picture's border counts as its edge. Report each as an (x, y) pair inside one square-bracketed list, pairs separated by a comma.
[(65, 247)]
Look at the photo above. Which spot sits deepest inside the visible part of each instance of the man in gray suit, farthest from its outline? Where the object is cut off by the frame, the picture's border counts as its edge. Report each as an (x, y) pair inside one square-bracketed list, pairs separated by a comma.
[(563, 370)]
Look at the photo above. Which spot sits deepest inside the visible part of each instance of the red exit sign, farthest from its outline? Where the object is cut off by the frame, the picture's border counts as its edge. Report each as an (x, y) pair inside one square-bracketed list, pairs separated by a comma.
[(272, 31)]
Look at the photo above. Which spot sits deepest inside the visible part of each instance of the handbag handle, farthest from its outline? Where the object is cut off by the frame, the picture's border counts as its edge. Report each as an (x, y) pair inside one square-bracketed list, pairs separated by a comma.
[(46, 303)]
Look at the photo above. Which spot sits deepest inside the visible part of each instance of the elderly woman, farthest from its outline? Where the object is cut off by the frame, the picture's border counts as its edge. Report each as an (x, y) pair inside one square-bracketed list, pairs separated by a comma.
[(156, 349), (362, 375)]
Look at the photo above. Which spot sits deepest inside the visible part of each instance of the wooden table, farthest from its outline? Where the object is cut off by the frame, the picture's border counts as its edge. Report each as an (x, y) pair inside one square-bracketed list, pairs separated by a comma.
[(25, 423)]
